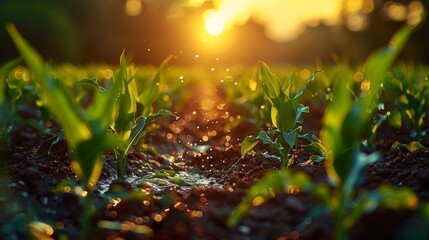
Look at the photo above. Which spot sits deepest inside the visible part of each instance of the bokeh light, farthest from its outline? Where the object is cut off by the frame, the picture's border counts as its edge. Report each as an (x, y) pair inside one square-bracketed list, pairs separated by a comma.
[(133, 7)]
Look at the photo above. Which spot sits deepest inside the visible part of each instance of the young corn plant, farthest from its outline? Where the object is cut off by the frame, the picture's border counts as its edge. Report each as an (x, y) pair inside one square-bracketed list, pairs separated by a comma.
[(408, 86), (16, 99), (344, 123), (151, 92), (85, 130), (126, 125), (7, 106), (286, 117)]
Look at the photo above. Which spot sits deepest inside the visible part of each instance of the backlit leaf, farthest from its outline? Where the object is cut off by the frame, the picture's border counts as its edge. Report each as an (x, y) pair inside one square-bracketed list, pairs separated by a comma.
[(395, 118), (270, 82), (248, 144), (92, 81)]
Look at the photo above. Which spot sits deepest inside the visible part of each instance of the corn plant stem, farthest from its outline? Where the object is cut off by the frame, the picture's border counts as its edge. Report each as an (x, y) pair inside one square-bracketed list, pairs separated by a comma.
[(340, 216), (121, 166), (121, 162), (285, 160), (87, 216), (418, 130)]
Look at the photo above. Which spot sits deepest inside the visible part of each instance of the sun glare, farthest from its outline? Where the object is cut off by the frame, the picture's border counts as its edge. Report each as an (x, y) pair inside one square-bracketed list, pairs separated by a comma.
[(283, 19), (215, 24)]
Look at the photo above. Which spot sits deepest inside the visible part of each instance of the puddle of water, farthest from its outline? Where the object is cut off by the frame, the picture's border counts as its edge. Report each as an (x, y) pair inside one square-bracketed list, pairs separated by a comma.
[(201, 148), (182, 181)]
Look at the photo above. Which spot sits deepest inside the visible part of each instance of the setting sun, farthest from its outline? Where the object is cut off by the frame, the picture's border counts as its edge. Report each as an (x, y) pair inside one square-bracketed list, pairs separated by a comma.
[(215, 24), (278, 25)]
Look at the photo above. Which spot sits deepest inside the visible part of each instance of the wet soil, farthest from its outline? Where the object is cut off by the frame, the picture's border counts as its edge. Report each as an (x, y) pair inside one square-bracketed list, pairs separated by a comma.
[(198, 144)]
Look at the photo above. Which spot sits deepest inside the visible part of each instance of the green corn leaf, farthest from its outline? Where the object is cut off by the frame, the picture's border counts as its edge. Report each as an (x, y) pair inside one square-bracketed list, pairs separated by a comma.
[(318, 149), (125, 114), (378, 63), (100, 111), (412, 146), (377, 122), (161, 113), (263, 136), (343, 122), (380, 119), (87, 143), (331, 133), (283, 114), (291, 137), (266, 188), (6, 105), (298, 94), (395, 118), (136, 132), (57, 139), (270, 82), (126, 101), (140, 126), (393, 86), (248, 144), (121, 76), (31, 57), (309, 137), (150, 93), (92, 81), (287, 84), (54, 93), (396, 198), (362, 160), (4, 71), (317, 158), (89, 161), (301, 109)]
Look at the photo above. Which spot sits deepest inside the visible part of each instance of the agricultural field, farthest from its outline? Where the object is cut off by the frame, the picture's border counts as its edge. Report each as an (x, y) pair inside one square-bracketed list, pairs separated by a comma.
[(133, 151)]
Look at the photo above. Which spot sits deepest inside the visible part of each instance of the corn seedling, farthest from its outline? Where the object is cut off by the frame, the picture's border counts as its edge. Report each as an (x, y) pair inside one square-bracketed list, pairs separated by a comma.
[(286, 117), (16, 97), (7, 106), (85, 130), (409, 87), (126, 125), (344, 123)]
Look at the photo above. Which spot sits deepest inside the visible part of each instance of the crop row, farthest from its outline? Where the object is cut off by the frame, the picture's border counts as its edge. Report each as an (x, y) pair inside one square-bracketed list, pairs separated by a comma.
[(102, 108)]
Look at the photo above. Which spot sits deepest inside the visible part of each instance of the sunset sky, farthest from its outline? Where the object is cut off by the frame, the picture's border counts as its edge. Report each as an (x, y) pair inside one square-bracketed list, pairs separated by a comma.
[(207, 32)]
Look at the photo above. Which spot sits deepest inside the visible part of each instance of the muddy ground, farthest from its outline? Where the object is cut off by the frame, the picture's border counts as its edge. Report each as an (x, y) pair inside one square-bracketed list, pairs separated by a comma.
[(201, 153)]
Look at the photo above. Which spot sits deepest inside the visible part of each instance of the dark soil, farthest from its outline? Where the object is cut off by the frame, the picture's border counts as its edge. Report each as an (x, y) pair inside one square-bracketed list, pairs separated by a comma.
[(31, 174)]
